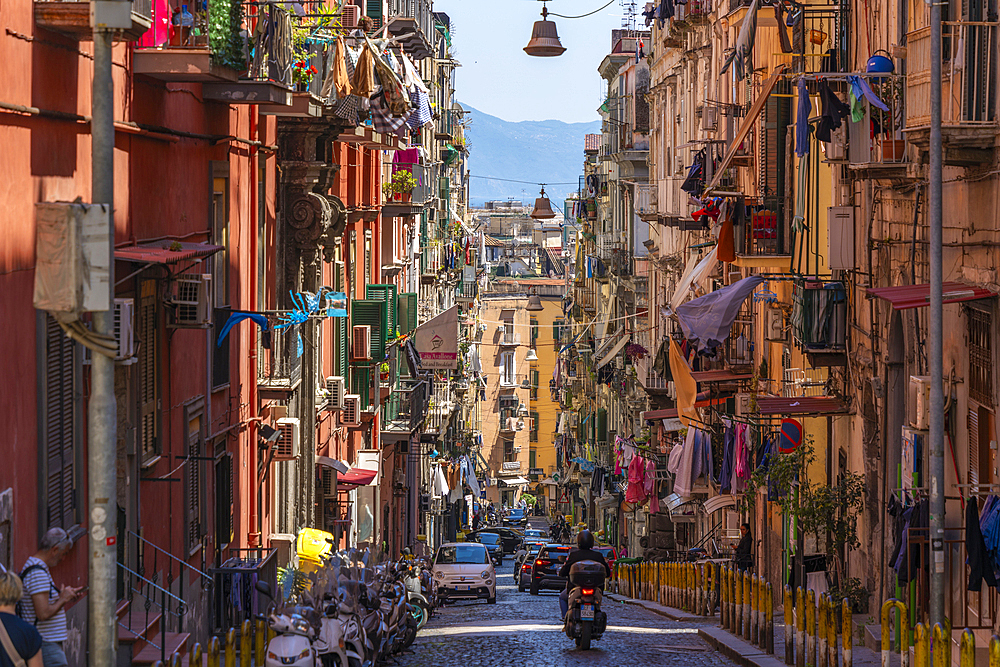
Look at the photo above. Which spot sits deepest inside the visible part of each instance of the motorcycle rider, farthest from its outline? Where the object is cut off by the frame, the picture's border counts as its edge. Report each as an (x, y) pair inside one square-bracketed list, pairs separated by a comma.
[(584, 551)]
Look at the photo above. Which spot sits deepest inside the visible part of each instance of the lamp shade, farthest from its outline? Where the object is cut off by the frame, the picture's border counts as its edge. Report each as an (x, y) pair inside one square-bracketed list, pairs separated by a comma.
[(544, 40), (534, 303), (543, 209), (531, 356)]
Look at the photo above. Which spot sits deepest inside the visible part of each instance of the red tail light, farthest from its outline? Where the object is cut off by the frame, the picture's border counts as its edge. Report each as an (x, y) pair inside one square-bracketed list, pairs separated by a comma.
[(525, 567), (588, 591), (542, 562)]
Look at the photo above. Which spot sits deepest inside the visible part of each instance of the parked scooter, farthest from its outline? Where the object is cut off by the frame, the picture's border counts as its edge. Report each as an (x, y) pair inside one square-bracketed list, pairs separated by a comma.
[(585, 621)]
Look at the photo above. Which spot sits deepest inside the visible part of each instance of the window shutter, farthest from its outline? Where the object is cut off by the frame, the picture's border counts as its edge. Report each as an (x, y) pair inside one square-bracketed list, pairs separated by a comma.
[(973, 424), (59, 432), (406, 312), (194, 524), (224, 500), (385, 293), (147, 335), (375, 314)]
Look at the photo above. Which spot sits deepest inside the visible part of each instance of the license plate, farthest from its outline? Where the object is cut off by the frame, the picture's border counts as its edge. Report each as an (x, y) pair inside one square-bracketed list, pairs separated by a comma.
[(464, 588), (587, 612)]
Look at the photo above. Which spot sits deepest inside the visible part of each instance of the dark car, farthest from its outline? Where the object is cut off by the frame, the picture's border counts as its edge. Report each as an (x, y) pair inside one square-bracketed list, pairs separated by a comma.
[(522, 566), (545, 569), (493, 545), (509, 537), (516, 517), (610, 554)]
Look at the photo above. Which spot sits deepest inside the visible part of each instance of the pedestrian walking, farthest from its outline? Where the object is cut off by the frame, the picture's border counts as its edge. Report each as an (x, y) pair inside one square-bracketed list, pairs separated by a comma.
[(20, 643), (43, 603)]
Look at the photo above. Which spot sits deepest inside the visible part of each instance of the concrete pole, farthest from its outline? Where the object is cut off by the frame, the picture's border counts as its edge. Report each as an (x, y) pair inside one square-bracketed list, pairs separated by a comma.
[(101, 409), (936, 331)]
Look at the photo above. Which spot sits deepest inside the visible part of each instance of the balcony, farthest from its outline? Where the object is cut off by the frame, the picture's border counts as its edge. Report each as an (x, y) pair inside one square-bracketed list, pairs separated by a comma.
[(73, 19), (968, 90), (819, 321), (447, 124), (406, 204), (887, 156), (403, 411), (510, 422), (466, 291), (645, 202), (439, 408), (279, 368), (509, 339), (412, 20), (760, 238), (190, 55)]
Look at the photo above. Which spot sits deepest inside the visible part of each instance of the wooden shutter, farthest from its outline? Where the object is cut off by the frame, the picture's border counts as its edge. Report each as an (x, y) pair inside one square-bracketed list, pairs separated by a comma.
[(385, 293), (973, 424), (59, 432), (224, 500), (193, 504), (147, 337), (406, 312), (375, 314), (340, 326)]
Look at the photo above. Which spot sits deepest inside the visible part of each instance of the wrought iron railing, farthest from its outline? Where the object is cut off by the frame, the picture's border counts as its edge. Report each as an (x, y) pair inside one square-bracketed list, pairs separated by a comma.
[(819, 316), (236, 600), (420, 10), (280, 366), (271, 53), (405, 407)]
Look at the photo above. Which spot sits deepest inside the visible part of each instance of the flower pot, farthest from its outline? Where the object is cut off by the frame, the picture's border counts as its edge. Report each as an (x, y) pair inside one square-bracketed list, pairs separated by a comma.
[(407, 196), (893, 150)]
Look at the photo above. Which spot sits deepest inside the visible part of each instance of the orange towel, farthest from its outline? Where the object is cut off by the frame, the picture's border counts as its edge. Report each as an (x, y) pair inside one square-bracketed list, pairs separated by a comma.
[(684, 384)]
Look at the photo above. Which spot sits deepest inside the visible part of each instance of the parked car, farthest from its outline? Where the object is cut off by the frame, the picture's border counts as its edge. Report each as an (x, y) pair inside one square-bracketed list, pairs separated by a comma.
[(509, 537), (493, 545), (463, 571), (522, 566), (534, 532), (610, 554), (545, 569), (516, 517)]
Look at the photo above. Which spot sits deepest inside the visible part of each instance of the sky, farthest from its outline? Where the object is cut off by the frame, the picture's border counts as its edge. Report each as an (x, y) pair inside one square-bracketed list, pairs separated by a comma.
[(499, 78)]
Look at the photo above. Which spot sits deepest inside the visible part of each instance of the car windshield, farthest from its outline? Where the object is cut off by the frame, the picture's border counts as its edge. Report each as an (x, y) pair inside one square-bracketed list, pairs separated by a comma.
[(607, 552), (533, 533), (462, 554), (489, 538), (516, 514), (557, 553)]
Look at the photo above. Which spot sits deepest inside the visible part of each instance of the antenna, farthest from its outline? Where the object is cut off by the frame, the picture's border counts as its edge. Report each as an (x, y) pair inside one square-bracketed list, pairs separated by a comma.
[(629, 12)]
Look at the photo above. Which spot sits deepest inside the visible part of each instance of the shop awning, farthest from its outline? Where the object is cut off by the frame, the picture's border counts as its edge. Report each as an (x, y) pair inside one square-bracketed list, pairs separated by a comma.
[(717, 503), (165, 252), (748, 123), (815, 406), (548, 481), (513, 481), (613, 352), (904, 297), (340, 466), (356, 477)]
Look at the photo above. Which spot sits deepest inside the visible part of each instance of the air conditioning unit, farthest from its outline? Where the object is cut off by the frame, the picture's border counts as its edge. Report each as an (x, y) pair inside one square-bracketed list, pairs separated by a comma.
[(709, 118), (350, 414), (774, 330), (361, 342), (437, 505), (328, 478), (836, 148), (918, 403), (350, 15), (286, 447), (190, 302), (743, 404), (124, 319), (334, 393)]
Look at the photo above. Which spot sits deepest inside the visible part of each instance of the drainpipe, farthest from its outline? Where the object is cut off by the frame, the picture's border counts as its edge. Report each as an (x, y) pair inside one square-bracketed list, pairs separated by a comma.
[(255, 510)]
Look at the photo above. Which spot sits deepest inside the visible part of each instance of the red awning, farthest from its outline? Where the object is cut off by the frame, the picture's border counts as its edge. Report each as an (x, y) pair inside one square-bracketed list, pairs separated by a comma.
[(800, 405), (724, 375), (165, 252), (671, 413), (903, 297), (356, 477)]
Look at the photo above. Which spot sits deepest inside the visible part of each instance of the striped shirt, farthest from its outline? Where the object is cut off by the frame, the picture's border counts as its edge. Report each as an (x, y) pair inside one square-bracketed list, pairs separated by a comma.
[(39, 580)]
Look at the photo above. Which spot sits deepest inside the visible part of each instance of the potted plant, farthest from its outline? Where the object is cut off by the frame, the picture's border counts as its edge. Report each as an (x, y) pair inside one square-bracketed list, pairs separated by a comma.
[(383, 371), (400, 186)]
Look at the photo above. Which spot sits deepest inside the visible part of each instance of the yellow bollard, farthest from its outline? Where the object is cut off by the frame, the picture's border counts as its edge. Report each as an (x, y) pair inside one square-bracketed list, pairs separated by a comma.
[(789, 626), (921, 646), (967, 649), (847, 634), (261, 641), (831, 632), (941, 638), (800, 627), (821, 621), (213, 652), (246, 657), (175, 660), (723, 599), (904, 638), (994, 651), (737, 603), (747, 611), (769, 620), (810, 627), (231, 648), (196, 658), (755, 610)]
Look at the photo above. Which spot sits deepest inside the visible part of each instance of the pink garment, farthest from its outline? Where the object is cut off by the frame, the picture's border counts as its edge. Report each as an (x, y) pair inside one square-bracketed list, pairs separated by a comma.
[(741, 458), (650, 477), (636, 492), (684, 480), (404, 159), (160, 30), (654, 499)]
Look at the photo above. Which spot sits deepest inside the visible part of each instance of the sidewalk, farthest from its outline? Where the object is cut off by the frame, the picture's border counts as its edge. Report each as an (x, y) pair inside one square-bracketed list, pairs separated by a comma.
[(736, 648)]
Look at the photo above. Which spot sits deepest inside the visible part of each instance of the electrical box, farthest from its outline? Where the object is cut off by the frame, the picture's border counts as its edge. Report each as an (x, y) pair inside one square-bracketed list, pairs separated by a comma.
[(72, 257), (840, 236), (918, 402)]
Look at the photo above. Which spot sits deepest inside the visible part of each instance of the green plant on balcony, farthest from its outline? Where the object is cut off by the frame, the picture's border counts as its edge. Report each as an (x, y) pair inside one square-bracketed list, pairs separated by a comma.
[(225, 25), (401, 183)]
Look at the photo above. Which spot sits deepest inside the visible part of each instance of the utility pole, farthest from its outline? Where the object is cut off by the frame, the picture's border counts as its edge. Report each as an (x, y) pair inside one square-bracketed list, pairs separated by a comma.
[(102, 416), (937, 362)]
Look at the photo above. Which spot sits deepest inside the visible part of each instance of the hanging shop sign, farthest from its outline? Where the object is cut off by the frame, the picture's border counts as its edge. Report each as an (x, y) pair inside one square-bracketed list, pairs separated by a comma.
[(437, 341)]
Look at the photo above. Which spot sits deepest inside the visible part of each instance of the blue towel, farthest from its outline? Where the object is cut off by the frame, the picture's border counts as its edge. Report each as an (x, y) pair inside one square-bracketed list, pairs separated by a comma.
[(802, 120)]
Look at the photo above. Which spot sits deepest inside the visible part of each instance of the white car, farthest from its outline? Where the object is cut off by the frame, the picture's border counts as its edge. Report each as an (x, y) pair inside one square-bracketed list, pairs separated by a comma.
[(464, 571)]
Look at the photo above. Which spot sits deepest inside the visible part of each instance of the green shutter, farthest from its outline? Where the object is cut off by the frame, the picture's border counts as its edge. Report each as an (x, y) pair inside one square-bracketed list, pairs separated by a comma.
[(374, 9), (406, 312), (361, 384), (374, 314), (385, 293), (340, 344), (602, 425)]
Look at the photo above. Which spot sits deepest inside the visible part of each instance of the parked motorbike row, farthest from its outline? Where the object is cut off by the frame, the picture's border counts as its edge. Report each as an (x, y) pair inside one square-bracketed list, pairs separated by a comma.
[(349, 612)]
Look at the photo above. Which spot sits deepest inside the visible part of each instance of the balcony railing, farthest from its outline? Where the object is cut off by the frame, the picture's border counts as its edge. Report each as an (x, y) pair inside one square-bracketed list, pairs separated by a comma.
[(819, 317), (814, 36), (888, 148), (804, 382), (968, 69), (447, 124), (414, 21), (439, 407), (466, 290), (762, 231), (509, 339), (72, 18), (645, 201), (279, 369), (405, 408)]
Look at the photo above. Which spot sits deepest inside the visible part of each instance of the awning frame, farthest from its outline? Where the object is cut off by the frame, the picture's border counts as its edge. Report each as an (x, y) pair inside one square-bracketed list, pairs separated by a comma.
[(905, 297)]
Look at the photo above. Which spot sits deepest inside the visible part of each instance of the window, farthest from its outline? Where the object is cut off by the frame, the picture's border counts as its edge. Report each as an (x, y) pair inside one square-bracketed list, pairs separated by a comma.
[(262, 234), (981, 419), (507, 377), (534, 385), (557, 334), (534, 332), (352, 253), (224, 499), (531, 459), (147, 331), (220, 269), (534, 426), (980, 357), (340, 344), (508, 451), (194, 506), (60, 423), (368, 256)]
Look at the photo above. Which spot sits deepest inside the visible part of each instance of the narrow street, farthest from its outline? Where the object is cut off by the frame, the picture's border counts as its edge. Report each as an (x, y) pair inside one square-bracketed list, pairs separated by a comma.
[(522, 629)]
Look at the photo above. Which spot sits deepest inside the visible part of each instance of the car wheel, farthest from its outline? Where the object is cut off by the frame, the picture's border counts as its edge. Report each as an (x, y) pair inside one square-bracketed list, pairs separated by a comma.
[(520, 587), (534, 588), (492, 600)]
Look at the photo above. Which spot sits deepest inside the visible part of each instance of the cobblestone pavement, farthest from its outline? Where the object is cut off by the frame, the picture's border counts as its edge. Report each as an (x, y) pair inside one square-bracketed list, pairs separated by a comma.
[(521, 629)]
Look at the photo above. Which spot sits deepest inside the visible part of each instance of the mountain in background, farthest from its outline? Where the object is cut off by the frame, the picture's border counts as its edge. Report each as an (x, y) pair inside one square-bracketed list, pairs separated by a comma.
[(549, 151)]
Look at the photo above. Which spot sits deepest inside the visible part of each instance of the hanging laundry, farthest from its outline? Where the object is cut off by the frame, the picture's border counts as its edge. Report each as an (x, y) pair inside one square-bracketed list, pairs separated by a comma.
[(980, 568), (726, 248), (421, 114), (396, 102), (636, 481), (363, 82), (728, 456), (336, 82), (683, 465), (383, 121), (684, 384), (833, 112), (802, 120)]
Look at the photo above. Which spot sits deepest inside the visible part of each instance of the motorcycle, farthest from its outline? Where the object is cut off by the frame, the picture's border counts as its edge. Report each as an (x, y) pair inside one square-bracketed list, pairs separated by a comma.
[(585, 622)]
